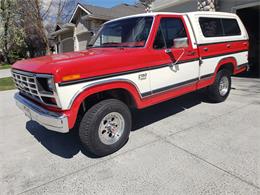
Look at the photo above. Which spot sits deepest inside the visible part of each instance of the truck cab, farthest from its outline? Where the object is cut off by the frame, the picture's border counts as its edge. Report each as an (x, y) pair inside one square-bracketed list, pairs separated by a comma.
[(132, 62)]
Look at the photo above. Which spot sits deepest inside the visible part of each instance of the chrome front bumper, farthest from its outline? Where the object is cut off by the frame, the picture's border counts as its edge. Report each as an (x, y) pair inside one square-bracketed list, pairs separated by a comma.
[(50, 120)]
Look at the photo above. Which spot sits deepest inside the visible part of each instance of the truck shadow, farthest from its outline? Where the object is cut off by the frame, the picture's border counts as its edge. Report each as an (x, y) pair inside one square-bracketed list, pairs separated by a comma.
[(68, 145), (147, 116)]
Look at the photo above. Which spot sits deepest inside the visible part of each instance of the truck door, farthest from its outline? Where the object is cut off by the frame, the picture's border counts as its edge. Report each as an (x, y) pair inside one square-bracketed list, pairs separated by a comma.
[(174, 51)]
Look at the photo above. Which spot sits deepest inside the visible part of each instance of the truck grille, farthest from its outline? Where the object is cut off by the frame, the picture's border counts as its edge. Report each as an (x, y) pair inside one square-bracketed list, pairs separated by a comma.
[(29, 86), (26, 84)]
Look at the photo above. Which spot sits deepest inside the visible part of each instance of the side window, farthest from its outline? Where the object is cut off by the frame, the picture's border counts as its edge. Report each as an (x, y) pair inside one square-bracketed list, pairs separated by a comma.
[(217, 27), (231, 27), (169, 29), (211, 27)]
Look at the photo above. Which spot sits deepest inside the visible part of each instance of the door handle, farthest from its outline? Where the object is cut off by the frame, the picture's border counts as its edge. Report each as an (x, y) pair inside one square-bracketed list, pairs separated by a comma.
[(228, 45), (205, 49), (168, 51)]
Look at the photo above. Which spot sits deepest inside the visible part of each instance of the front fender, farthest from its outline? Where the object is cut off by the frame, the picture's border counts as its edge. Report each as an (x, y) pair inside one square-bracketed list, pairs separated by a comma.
[(74, 109)]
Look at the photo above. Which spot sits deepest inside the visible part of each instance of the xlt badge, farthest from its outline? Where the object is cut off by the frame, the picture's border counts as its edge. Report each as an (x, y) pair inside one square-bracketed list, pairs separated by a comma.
[(142, 76)]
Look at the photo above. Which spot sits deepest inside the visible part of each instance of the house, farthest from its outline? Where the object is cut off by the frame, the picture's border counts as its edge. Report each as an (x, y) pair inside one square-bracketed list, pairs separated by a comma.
[(247, 10), (85, 22)]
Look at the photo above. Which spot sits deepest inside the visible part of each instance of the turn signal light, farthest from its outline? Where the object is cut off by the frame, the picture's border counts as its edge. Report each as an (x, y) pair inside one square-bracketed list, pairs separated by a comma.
[(71, 77)]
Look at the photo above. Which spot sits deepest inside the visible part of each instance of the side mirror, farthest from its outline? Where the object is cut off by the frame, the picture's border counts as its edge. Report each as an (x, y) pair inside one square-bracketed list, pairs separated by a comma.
[(180, 42)]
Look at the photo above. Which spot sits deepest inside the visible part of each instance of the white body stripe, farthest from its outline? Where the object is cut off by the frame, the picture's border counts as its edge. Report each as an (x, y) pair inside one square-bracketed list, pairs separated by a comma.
[(209, 65), (168, 76), (67, 93)]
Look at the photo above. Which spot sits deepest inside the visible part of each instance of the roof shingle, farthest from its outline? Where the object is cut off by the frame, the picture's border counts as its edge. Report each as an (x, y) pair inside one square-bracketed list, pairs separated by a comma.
[(114, 12)]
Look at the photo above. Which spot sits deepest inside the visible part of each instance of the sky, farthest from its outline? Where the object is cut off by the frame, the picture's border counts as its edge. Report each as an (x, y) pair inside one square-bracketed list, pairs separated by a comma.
[(108, 3), (102, 3)]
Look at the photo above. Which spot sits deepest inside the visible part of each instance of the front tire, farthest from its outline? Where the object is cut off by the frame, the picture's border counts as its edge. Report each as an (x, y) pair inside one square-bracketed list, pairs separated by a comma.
[(219, 91), (105, 127)]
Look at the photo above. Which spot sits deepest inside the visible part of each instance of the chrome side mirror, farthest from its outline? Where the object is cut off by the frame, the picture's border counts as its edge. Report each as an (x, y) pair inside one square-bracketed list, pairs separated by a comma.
[(180, 42)]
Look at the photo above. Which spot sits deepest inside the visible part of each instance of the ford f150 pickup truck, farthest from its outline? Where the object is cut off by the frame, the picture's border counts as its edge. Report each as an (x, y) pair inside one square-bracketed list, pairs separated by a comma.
[(132, 62)]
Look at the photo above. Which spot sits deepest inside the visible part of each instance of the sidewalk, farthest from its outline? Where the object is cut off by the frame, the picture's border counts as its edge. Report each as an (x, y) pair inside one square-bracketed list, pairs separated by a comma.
[(5, 73)]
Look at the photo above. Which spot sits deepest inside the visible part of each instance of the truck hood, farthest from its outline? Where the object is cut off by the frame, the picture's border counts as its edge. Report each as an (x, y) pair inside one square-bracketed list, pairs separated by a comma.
[(92, 62), (52, 63)]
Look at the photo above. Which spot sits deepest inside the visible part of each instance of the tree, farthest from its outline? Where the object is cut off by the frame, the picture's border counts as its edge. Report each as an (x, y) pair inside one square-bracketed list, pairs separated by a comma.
[(42, 18), (57, 11), (147, 4), (11, 34), (64, 10), (24, 25), (32, 22)]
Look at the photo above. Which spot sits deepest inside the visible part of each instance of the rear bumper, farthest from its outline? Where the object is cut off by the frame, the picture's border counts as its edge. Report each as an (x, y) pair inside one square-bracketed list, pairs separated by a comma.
[(51, 120)]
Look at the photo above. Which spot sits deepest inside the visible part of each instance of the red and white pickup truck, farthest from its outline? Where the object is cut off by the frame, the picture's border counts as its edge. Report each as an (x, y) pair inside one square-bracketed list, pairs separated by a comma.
[(132, 62)]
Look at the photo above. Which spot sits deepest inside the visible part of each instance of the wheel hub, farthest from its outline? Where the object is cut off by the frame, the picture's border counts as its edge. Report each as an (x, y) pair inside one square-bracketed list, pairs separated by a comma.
[(223, 86), (111, 128)]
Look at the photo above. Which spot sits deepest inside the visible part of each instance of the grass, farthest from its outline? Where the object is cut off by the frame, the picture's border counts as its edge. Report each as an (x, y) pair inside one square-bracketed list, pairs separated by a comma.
[(4, 66), (6, 84)]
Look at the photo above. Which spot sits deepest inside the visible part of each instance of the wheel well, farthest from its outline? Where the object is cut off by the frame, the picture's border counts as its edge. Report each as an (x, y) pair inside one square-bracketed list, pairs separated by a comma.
[(120, 94), (228, 67)]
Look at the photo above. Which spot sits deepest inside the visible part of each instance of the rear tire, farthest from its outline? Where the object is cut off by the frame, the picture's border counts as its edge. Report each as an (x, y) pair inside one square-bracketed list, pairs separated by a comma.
[(219, 91), (105, 127)]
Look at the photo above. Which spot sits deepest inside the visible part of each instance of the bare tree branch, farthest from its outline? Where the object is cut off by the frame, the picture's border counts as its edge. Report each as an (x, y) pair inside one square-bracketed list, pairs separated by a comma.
[(46, 12)]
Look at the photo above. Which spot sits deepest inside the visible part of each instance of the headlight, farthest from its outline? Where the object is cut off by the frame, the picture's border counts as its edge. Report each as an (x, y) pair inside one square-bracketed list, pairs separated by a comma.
[(50, 84), (45, 84), (47, 89)]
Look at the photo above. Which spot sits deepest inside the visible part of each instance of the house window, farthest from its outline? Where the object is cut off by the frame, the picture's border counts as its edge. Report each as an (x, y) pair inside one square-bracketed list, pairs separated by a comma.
[(169, 29)]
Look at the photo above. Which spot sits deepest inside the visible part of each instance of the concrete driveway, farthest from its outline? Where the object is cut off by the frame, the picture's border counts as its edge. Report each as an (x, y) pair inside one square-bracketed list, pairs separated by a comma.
[(183, 146)]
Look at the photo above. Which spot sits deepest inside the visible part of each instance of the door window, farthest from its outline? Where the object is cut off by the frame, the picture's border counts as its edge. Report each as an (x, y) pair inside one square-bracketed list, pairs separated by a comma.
[(169, 29)]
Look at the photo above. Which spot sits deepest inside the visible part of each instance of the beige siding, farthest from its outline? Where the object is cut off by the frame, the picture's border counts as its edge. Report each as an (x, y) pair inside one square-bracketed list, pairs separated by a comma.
[(83, 39), (81, 26), (66, 35), (67, 45)]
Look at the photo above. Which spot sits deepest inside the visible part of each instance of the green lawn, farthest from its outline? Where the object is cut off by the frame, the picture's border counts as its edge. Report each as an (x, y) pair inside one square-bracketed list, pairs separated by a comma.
[(4, 66), (6, 84)]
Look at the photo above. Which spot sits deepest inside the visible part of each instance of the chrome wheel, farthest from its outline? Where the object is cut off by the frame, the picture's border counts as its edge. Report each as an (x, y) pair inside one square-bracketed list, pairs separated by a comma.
[(223, 86), (111, 128)]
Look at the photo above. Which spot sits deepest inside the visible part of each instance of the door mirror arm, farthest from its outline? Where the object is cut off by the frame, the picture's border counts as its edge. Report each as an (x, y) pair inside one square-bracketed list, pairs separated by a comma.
[(174, 61), (169, 52)]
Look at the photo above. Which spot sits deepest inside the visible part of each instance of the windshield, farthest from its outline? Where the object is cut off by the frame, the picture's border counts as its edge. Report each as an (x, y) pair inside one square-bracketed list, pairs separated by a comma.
[(131, 32)]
